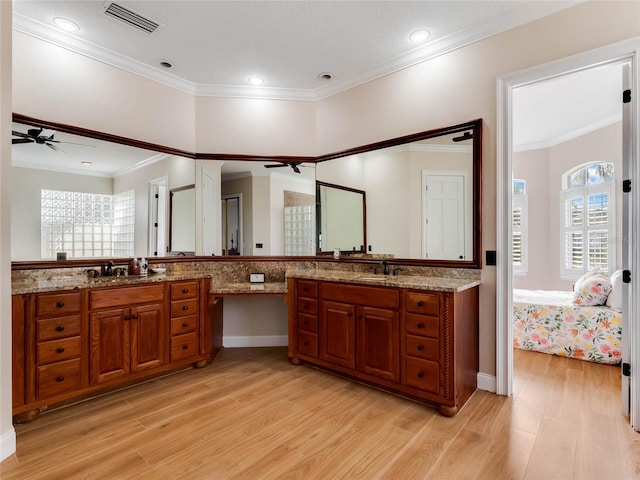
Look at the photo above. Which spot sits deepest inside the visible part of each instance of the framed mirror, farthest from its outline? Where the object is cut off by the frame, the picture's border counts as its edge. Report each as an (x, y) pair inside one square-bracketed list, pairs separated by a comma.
[(89, 194), (341, 214), (182, 220)]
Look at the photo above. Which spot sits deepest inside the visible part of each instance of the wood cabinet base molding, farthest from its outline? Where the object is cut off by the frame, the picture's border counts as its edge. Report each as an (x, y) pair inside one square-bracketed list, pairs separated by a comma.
[(419, 344)]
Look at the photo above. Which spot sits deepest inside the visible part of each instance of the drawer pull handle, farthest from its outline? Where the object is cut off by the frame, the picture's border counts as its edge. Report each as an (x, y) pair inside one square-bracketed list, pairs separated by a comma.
[(306, 344), (135, 317), (60, 304), (305, 323), (186, 307), (185, 347), (421, 325), (60, 328), (421, 303), (185, 324), (185, 290), (420, 374), (60, 350), (349, 315), (420, 347), (127, 317), (60, 379)]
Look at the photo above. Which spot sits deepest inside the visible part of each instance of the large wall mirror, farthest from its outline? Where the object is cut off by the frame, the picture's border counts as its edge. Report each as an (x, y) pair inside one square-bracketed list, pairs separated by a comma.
[(422, 194), (420, 197), (92, 197)]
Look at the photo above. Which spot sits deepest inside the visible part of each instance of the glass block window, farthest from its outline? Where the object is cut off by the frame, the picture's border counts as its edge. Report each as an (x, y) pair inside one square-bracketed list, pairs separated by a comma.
[(299, 230), (587, 220), (85, 225)]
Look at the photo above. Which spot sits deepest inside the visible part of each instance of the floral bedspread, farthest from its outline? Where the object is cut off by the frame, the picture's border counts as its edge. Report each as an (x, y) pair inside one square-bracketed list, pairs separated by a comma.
[(561, 328)]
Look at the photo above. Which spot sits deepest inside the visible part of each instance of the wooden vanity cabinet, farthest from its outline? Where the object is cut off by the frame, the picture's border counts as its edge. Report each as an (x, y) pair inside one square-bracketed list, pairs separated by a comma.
[(420, 344), (73, 344)]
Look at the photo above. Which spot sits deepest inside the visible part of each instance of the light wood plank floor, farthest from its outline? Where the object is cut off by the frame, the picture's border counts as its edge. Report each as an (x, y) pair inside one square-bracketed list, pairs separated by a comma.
[(252, 415)]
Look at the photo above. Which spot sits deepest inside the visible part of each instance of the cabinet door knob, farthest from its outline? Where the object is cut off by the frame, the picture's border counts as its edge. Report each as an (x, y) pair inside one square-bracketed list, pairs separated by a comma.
[(421, 325), (306, 344), (60, 350), (185, 347), (420, 374), (349, 315), (420, 347), (186, 307), (127, 317), (60, 328), (421, 303), (60, 304), (135, 317), (185, 290), (185, 324), (60, 379)]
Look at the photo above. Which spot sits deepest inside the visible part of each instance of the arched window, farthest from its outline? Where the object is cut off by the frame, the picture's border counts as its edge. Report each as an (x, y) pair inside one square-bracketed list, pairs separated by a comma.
[(587, 220)]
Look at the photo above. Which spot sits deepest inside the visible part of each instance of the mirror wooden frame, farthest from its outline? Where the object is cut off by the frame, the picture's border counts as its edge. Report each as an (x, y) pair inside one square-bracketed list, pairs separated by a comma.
[(474, 125)]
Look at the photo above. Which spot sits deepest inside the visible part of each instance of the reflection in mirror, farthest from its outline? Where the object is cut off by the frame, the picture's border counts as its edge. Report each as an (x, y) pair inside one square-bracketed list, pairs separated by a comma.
[(422, 196), (87, 197), (182, 220), (341, 213), (274, 208)]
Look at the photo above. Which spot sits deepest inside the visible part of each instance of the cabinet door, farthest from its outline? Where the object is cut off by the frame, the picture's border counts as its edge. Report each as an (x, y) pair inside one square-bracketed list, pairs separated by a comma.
[(148, 337), (110, 344), (378, 351), (337, 334)]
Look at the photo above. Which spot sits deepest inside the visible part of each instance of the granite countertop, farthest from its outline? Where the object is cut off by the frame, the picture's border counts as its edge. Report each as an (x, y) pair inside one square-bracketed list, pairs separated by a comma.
[(246, 288), (442, 284), (52, 284)]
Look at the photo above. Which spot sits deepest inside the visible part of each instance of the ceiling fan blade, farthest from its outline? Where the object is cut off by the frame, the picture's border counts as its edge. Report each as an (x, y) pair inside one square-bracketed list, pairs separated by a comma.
[(53, 147), (277, 165), (19, 134), (73, 143), (21, 140), (295, 168)]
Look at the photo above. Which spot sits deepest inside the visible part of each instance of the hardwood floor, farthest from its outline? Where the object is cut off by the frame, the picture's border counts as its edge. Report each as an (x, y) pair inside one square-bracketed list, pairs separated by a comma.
[(252, 415)]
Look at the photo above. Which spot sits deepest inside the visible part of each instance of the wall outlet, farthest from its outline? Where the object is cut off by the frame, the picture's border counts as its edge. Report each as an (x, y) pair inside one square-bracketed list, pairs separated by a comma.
[(256, 277)]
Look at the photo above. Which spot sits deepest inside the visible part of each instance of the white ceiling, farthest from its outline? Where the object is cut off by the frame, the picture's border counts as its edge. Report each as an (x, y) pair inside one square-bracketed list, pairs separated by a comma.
[(215, 46)]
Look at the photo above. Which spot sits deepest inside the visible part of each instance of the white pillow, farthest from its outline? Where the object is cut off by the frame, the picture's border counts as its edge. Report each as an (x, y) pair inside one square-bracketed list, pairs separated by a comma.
[(614, 300), (591, 290)]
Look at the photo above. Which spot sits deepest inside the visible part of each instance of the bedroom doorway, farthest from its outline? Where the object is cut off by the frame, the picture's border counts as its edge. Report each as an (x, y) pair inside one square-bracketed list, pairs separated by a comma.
[(624, 53)]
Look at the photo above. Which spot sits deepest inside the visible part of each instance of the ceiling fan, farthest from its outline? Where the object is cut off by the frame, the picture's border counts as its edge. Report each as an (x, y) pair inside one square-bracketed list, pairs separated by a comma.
[(34, 135), (466, 136), (294, 165)]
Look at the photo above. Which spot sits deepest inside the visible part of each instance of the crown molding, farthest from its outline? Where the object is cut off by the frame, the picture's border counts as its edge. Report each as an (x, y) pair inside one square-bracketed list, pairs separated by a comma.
[(528, 12)]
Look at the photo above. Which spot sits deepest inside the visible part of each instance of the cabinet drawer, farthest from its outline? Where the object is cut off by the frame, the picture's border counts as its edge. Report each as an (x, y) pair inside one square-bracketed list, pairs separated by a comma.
[(59, 377), (55, 304), (52, 328), (184, 346), (308, 306), (57, 350), (308, 322), (423, 374), (183, 325), (422, 347), (184, 307), (423, 303), (182, 291), (308, 344), (422, 325), (307, 288), (358, 295), (125, 296)]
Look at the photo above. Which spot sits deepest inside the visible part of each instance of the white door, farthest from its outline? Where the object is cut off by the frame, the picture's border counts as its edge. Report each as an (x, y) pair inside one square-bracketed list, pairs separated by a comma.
[(444, 216)]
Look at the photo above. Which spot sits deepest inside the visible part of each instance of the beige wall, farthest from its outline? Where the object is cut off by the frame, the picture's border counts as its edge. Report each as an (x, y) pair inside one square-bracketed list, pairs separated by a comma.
[(543, 170), (449, 89)]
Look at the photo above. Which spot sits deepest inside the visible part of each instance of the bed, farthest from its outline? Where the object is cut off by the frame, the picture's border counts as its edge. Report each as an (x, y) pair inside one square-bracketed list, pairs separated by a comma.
[(549, 322)]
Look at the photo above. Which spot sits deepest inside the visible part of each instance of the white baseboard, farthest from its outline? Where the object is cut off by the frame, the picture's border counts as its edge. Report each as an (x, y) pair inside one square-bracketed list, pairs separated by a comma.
[(486, 382), (262, 341), (7, 444)]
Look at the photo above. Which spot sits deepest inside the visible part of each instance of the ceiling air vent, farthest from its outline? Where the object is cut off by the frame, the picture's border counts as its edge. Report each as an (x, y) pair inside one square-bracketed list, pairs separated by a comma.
[(131, 18)]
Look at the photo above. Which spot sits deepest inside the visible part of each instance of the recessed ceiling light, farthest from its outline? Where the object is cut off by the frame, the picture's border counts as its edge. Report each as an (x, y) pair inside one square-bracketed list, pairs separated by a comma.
[(66, 25), (86, 163), (419, 36), (166, 64), (325, 76), (256, 80)]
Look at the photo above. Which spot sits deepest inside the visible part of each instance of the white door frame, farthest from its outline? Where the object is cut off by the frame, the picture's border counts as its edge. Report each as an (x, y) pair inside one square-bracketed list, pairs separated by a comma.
[(628, 50)]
